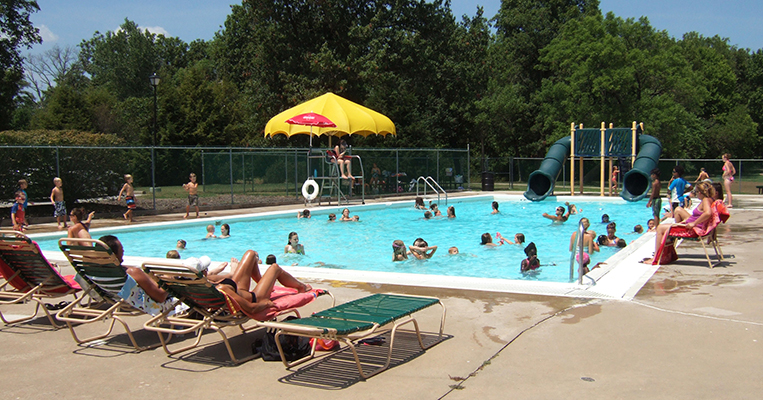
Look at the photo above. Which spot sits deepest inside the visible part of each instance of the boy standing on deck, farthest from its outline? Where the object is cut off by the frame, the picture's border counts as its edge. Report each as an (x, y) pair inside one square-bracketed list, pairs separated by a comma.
[(655, 201), (18, 213), (193, 197), (23, 185), (677, 188), (59, 206), (129, 192)]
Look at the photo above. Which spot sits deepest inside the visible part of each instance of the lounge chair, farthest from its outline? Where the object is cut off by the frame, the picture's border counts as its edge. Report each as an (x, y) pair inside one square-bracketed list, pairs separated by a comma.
[(215, 309), (677, 234), (31, 277), (357, 320), (99, 267)]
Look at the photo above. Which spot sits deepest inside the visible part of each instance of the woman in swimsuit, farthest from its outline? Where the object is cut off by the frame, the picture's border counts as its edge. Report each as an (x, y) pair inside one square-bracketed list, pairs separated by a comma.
[(343, 160), (728, 176), (346, 215), (80, 228), (588, 241), (699, 219), (247, 269)]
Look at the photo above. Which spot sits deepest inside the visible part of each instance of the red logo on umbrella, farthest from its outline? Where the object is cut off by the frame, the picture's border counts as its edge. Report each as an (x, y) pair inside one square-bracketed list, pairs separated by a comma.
[(311, 119)]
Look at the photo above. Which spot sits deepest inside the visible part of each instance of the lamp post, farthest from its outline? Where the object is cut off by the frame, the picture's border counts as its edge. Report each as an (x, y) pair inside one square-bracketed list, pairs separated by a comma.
[(154, 79)]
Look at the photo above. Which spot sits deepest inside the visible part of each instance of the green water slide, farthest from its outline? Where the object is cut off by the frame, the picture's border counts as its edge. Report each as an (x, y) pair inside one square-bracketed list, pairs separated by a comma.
[(540, 184), (637, 181)]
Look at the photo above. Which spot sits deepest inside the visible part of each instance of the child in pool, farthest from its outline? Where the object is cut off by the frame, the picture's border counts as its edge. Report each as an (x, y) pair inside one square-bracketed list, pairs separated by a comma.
[(651, 224), (421, 249), (210, 232), (532, 262), (181, 244), (398, 251), (451, 212), (453, 250), (427, 215), (304, 214), (495, 208), (487, 240), (419, 204), (435, 210), (332, 217), (293, 246), (346, 215)]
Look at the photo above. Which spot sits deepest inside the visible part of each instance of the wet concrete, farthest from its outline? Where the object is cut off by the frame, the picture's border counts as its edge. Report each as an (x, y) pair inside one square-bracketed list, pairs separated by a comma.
[(690, 333)]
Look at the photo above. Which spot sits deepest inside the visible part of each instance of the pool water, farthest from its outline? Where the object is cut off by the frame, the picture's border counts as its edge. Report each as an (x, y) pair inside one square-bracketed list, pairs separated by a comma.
[(367, 245)]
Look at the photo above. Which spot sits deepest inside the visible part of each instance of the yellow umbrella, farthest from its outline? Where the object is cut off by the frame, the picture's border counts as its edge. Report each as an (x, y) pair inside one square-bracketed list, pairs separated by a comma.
[(350, 119)]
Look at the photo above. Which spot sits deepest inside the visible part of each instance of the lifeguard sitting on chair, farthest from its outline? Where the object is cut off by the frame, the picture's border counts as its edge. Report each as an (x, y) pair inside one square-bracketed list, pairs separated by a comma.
[(343, 160)]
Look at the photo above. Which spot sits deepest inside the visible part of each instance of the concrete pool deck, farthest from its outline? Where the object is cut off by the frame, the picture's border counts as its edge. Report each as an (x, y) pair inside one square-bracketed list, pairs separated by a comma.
[(690, 332)]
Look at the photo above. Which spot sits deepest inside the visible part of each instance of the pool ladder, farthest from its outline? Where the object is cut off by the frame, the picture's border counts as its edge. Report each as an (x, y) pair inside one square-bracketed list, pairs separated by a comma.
[(578, 249), (432, 184)]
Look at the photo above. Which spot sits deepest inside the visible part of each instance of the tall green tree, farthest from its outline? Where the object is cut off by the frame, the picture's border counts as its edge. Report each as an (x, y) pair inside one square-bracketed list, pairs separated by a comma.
[(523, 29), (16, 32)]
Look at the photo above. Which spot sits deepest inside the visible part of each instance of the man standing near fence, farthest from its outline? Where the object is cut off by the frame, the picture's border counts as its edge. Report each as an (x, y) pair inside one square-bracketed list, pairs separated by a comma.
[(193, 196)]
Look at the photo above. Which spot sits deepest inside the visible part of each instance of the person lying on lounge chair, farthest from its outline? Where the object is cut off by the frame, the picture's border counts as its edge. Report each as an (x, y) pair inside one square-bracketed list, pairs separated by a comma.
[(247, 269)]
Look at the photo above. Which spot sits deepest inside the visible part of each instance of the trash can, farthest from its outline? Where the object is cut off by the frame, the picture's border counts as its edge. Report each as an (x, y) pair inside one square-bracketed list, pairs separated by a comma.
[(487, 181)]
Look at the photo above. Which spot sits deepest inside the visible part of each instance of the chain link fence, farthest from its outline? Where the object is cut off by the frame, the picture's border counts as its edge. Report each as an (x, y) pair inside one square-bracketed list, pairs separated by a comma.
[(97, 172)]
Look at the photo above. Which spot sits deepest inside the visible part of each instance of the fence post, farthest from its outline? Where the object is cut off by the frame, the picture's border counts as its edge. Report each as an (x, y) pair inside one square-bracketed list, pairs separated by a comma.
[(397, 168), (437, 157), (58, 167), (468, 167), (153, 177), (203, 176), (286, 178), (511, 173), (243, 172), (230, 168)]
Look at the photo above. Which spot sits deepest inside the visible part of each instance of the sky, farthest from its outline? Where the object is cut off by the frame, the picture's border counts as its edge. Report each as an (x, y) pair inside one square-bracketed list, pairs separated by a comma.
[(68, 22)]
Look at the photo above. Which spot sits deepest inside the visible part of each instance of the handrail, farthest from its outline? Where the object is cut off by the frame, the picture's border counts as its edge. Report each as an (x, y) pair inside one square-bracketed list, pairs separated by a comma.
[(433, 185), (578, 249)]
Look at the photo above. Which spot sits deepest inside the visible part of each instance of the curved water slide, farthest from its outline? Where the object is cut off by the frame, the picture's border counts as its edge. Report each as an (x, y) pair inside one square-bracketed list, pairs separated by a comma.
[(637, 181), (540, 184)]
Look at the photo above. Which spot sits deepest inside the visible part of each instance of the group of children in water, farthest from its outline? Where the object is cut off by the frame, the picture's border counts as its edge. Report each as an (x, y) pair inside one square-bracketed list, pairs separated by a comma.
[(421, 249)]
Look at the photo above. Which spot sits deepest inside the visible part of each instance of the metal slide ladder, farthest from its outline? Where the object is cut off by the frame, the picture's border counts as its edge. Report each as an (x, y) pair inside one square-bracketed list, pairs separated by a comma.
[(432, 184)]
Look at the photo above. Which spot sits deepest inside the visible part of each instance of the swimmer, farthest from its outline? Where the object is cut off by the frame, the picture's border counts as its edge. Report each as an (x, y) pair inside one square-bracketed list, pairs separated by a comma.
[(421, 249), (293, 246), (573, 208), (453, 250), (487, 240), (332, 217), (532, 262), (304, 214), (589, 244), (173, 254), (604, 219), (181, 244), (559, 215), (355, 218), (620, 243), (638, 229), (210, 232), (651, 224), (495, 208), (419, 204), (346, 215), (451, 212), (519, 238), (224, 231), (427, 215), (398, 251), (435, 210)]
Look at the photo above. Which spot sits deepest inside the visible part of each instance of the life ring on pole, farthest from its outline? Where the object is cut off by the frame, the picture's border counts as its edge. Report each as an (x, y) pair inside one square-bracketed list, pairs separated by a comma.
[(306, 193)]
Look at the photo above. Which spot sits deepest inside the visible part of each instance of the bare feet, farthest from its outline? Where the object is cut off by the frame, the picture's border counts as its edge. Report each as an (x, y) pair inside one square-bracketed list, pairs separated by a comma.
[(125, 215), (186, 216), (305, 288)]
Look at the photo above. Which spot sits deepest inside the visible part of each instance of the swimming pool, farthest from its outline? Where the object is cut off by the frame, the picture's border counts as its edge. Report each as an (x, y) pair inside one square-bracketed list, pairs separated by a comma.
[(367, 245)]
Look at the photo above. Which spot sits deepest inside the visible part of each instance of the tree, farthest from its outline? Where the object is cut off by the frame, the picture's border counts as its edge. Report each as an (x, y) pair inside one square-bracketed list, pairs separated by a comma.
[(16, 31), (44, 71), (523, 29)]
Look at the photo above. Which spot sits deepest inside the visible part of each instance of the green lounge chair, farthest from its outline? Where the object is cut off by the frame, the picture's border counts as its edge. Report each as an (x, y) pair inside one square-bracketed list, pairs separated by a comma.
[(31, 277), (216, 309), (356, 320), (99, 267)]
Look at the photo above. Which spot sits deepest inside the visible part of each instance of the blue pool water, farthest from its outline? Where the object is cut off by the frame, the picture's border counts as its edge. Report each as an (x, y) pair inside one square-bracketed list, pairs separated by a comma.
[(367, 245)]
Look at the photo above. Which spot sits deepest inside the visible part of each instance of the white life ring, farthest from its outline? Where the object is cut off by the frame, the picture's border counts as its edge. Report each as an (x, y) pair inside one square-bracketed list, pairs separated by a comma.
[(310, 196)]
